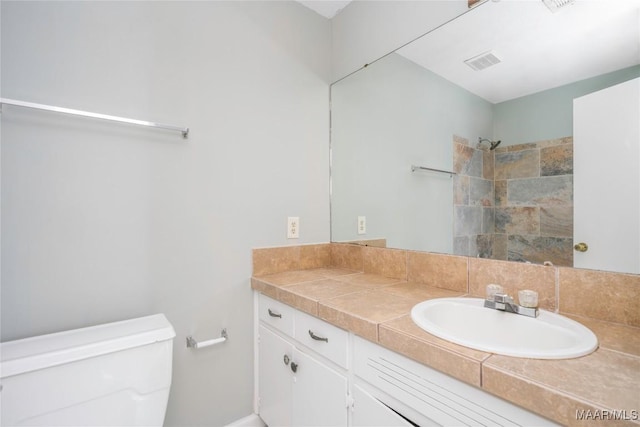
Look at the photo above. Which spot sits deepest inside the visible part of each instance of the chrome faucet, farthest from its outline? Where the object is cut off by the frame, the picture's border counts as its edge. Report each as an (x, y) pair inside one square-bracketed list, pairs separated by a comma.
[(504, 302)]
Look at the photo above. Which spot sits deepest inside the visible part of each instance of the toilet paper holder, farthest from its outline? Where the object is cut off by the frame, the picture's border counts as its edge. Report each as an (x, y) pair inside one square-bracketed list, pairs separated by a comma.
[(192, 343)]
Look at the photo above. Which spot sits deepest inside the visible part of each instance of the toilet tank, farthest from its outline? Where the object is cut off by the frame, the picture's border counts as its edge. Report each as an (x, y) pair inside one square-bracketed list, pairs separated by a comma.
[(116, 374)]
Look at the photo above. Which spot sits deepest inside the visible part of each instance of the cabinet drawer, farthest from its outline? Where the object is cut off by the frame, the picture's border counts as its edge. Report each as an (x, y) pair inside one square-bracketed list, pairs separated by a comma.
[(323, 338), (276, 314)]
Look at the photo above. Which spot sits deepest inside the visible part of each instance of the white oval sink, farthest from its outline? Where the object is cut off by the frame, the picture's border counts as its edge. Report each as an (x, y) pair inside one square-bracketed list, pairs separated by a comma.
[(467, 322)]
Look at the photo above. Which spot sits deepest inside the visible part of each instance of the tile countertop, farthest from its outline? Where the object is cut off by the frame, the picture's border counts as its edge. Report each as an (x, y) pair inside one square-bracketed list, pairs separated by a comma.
[(601, 385)]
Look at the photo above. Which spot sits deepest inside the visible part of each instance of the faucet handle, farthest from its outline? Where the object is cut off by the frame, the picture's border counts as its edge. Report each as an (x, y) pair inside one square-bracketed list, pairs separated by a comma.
[(503, 298), (492, 290)]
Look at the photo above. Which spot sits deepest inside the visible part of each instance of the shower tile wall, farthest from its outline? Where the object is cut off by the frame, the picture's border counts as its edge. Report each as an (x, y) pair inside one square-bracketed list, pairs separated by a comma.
[(530, 217), (474, 199)]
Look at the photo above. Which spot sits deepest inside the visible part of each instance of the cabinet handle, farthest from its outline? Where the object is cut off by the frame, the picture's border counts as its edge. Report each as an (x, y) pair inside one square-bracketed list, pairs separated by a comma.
[(274, 314), (286, 359), (294, 367), (317, 338)]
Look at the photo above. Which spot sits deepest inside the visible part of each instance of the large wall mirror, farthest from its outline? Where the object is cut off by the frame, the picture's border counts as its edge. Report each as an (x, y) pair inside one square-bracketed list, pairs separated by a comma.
[(464, 141)]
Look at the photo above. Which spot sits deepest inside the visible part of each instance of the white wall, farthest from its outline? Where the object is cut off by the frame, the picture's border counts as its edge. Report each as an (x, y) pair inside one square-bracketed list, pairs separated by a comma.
[(103, 222), (364, 31), (385, 118)]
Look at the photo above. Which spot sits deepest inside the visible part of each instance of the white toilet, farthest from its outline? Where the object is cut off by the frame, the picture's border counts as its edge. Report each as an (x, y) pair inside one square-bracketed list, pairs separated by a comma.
[(116, 374)]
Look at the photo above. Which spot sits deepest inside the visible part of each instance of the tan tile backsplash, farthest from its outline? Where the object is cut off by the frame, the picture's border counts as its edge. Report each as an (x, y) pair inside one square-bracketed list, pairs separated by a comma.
[(438, 270), (605, 296), (287, 258), (347, 256), (385, 262), (602, 295), (514, 277)]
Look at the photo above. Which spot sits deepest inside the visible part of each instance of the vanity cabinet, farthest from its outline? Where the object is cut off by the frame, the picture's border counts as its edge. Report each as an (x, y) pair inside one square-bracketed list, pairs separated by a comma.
[(311, 373), (299, 382)]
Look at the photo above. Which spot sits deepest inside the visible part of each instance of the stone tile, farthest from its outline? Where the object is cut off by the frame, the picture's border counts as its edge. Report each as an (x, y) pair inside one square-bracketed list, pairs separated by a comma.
[(467, 220), (460, 140), (513, 277), (333, 272), (467, 160), (460, 190), (517, 220), (540, 249), (500, 246), (438, 270), (404, 336), (305, 296), (371, 281), (385, 262), (461, 245), (550, 191), (522, 147), (292, 277), (613, 297), (556, 160), (484, 246), (556, 221), (533, 396), (363, 311), (488, 220), (347, 256), (500, 190), (473, 245), (418, 292), (613, 336), (481, 192), (488, 165), (275, 260), (543, 385), (517, 164), (315, 256), (265, 288), (555, 142)]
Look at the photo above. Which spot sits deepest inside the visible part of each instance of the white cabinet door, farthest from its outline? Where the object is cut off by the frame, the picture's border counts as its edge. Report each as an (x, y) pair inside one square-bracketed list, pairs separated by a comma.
[(275, 381), (319, 393), (606, 133), (370, 412)]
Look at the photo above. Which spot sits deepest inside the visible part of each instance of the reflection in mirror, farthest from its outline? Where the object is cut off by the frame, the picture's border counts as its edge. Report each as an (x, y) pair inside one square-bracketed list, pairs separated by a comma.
[(422, 108)]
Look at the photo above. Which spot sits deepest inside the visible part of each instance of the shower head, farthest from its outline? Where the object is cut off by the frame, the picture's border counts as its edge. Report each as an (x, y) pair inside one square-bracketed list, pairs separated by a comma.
[(492, 144)]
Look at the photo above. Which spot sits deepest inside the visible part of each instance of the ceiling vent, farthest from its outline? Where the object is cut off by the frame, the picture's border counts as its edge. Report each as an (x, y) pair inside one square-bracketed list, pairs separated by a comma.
[(482, 61), (556, 5)]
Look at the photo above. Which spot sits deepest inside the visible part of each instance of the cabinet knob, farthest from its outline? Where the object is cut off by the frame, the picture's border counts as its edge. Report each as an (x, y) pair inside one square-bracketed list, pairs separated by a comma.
[(581, 247), (286, 359), (294, 367)]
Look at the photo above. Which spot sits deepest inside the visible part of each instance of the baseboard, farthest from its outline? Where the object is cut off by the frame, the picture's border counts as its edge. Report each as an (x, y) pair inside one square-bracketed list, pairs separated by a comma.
[(252, 420)]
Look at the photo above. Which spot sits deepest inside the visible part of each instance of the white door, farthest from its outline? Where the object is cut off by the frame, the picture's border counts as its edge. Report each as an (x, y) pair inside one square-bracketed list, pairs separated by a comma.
[(606, 131), (319, 393), (274, 388)]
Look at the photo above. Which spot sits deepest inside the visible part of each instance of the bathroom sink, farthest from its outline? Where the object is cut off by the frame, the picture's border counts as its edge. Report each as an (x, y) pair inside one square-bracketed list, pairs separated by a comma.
[(467, 322)]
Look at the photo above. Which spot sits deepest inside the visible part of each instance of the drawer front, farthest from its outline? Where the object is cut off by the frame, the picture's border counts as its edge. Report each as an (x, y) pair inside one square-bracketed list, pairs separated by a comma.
[(323, 338), (276, 314)]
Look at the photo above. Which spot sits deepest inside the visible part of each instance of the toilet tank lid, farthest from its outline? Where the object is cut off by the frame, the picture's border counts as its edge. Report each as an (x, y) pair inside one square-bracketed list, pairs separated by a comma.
[(30, 354)]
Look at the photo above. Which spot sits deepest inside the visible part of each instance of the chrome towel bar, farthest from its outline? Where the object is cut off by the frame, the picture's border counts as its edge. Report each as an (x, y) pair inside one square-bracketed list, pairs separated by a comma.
[(6, 101), (424, 168)]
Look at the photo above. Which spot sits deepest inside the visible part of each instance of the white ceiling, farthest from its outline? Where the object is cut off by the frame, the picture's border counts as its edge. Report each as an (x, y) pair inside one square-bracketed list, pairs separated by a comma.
[(539, 50), (326, 8)]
